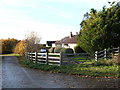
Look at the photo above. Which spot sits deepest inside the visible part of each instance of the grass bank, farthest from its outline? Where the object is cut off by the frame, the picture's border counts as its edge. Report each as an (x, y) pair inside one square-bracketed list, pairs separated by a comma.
[(10, 54), (84, 69)]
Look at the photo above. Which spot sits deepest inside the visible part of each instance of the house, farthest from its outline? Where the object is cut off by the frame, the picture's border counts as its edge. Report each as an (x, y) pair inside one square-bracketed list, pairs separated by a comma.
[(67, 42)]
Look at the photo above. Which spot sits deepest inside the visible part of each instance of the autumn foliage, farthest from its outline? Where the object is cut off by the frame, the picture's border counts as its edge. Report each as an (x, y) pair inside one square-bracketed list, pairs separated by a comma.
[(8, 45), (20, 48)]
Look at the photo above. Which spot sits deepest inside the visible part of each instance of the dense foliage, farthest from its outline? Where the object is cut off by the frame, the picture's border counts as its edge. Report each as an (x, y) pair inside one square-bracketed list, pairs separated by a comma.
[(100, 29), (8, 45), (67, 50), (78, 49), (20, 48), (57, 49)]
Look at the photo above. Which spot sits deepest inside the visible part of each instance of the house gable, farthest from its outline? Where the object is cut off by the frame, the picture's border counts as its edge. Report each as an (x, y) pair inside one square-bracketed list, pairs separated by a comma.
[(69, 41)]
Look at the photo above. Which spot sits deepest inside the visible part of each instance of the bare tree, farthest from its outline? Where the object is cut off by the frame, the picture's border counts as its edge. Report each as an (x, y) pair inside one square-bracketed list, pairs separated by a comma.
[(32, 40)]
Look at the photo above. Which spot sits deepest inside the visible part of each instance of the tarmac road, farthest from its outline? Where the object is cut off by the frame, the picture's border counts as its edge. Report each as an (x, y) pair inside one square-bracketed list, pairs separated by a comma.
[(16, 76)]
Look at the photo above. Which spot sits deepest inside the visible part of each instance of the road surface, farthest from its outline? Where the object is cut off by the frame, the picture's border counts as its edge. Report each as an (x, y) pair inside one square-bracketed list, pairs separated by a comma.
[(16, 76)]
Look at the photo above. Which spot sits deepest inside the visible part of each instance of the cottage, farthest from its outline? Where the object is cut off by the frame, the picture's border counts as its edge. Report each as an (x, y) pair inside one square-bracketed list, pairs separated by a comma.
[(67, 42)]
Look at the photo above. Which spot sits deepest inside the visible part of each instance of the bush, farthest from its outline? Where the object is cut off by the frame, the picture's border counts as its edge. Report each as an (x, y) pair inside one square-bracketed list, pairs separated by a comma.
[(51, 50), (78, 49), (20, 48), (8, 45), (100, 62), (114, 61), (57, 49), (67, 51)]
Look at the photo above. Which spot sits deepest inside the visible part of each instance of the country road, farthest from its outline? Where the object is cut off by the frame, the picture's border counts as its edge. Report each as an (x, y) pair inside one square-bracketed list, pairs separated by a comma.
[(16, 76)]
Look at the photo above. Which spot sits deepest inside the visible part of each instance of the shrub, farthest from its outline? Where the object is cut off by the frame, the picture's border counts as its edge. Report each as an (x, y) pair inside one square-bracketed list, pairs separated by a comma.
[(78, 49), (100, 62), (51, 50), (57, 49), (20, 48), (8, 45), (67, 51), (115, 60)]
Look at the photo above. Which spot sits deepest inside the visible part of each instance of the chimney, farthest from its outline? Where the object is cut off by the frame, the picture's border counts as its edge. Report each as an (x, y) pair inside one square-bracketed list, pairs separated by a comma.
[(71, 35), (76, 33)]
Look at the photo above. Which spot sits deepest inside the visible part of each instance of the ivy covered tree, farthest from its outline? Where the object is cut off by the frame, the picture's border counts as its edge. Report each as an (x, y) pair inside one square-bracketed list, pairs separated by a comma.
[(100, 29)]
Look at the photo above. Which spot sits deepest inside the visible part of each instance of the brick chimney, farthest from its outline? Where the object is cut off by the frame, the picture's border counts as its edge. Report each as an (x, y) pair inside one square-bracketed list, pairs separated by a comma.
[(76, 33), (71, 35)]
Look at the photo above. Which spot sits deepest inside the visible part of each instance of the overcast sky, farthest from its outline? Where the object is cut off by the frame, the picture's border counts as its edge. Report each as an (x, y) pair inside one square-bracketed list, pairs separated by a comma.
[(51, 19)]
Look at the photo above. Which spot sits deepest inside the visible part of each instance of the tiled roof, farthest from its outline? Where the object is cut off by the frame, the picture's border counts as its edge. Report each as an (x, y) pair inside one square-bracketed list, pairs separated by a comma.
[(68, 40)]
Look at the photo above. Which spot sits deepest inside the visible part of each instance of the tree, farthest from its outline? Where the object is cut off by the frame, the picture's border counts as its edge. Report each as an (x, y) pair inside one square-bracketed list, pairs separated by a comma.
[(20, 48), (32, 41), (8, 45), (100, 29)]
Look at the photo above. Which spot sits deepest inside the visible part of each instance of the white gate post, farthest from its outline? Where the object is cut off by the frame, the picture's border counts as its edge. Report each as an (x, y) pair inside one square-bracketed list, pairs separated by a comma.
[(96, 56), (35, 57), (105, 53), (118, 49)]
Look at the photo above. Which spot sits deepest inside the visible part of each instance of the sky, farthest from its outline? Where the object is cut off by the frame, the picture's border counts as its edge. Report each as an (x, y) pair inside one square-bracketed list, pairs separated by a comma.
[(51, 19)]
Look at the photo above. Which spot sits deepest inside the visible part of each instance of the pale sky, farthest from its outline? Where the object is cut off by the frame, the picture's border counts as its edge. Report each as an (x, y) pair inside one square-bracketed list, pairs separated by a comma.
[(51, 19)]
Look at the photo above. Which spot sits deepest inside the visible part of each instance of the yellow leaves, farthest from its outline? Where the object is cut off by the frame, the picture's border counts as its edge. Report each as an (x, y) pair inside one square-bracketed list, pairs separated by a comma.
[(8, 45), (20, 48)]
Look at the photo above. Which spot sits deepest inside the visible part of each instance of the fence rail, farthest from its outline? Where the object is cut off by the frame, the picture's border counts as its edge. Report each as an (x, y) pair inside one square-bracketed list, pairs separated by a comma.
[(105, 54), (62, 59), (58, 58), (43, 58)]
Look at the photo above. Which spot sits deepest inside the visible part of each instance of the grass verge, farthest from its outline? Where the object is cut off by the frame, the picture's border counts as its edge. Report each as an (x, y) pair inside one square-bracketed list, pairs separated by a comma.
[(10, 54), (84, 69)]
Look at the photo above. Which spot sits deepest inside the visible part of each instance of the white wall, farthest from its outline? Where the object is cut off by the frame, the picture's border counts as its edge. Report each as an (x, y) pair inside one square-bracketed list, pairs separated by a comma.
[(53, 45), (69, 45), (72, 46)]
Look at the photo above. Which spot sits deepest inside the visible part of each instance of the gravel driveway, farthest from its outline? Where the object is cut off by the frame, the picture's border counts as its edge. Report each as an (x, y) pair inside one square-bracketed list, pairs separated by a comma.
[(16, 76)]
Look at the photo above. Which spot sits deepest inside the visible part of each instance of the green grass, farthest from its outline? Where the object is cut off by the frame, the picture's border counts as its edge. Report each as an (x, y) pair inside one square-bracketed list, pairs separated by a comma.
[(81, 59), (10, 54), (84, 69)]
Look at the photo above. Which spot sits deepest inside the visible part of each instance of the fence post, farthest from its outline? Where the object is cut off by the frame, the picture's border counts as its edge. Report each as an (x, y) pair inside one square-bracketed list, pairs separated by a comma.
[(47, 58), (96, 56), (118, 49), (25, 54), (61, 58), (105, 53), (35, 57), (32, 56), (28, 56)]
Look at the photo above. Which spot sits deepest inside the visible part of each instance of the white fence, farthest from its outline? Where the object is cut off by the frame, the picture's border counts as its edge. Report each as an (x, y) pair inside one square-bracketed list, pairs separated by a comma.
[(62, 59), (106, 54), (45, 58), (58, 58)]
